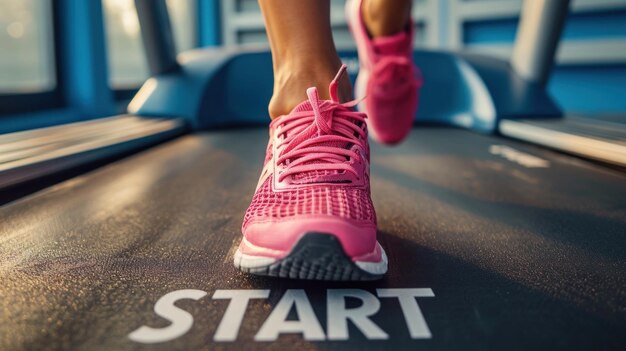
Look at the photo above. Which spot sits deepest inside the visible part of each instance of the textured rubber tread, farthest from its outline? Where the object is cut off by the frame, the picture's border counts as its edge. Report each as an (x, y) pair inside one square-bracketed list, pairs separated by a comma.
[(316, 256)]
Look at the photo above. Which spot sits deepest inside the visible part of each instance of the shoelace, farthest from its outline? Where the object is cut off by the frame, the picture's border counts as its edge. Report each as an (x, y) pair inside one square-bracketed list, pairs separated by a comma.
[(316, 140), (387, 77)]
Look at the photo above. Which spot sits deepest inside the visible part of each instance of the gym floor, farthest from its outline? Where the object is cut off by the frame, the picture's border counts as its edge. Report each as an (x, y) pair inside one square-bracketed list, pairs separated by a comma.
[(522, 247)]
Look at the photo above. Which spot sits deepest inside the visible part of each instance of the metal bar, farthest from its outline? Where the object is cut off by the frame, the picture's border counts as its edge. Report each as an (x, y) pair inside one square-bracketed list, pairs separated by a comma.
[(158, 39), (83, 53), (538, 36), (209, 23)]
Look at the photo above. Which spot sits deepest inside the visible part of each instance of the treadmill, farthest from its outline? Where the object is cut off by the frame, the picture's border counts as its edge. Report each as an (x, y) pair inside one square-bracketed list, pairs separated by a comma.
[(504, 218)]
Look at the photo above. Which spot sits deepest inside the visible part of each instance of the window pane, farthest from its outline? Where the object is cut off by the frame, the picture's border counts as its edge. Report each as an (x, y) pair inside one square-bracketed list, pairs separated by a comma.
[(183, 17), (128, 66), (127, 62), (26, 46)]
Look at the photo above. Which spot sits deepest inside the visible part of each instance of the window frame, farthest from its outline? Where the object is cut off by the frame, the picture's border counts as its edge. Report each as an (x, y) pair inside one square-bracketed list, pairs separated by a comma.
[(28, 102), (127, 92), (56, 98)]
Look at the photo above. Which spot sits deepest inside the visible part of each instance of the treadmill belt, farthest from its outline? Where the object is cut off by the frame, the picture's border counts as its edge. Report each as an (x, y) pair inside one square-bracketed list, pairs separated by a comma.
[(492, 244)]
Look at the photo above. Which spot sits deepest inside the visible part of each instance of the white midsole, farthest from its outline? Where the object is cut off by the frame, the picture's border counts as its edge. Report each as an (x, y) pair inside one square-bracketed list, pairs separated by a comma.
[(245, 261), (377, 268), (242, 260)]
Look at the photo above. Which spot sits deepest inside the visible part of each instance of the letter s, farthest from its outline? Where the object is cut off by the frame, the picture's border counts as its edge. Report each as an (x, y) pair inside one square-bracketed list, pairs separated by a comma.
[(164, 307)]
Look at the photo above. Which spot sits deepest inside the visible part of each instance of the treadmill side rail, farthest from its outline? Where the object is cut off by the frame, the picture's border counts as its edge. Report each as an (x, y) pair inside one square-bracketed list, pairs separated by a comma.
[(28, 155), (595, 139)]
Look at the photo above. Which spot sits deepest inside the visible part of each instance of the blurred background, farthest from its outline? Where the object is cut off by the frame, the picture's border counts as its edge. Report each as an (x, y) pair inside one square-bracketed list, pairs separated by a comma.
[(106, 206), (590, 76)]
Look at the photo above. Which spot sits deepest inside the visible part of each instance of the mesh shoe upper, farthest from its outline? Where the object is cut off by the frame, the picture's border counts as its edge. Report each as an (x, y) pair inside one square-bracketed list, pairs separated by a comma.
[(344, 202)]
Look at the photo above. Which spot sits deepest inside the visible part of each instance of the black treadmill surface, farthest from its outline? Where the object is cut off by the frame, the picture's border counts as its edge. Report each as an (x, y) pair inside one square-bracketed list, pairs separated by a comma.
[(522, 248)]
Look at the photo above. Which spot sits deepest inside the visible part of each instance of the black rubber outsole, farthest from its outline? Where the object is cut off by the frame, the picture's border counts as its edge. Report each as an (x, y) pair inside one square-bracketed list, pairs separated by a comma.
[(316, 256)]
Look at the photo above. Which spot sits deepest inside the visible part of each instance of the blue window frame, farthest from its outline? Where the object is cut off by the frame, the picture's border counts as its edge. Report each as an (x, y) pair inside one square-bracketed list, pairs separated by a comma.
[(29, 64)]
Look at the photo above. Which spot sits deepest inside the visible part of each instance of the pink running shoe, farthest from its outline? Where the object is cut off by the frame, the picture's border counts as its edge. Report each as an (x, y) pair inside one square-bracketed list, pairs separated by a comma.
[(312, 216), (387, 77)]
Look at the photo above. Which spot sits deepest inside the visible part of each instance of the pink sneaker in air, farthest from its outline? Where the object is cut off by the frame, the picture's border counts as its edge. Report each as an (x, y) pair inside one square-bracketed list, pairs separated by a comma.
[(387, 78), (312, 216)]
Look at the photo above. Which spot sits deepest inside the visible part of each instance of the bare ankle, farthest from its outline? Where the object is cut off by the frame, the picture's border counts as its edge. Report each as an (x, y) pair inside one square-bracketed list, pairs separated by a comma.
[(290, 87), (384, 18)]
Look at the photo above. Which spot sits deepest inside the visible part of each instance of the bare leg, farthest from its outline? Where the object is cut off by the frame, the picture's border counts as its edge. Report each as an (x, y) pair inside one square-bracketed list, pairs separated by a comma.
[(386, 17), (303, 51)]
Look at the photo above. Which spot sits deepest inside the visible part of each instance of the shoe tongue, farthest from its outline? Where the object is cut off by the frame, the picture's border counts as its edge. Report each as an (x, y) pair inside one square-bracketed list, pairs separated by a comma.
[(318, 176), (303, 106), (392, 44), (306, 106)]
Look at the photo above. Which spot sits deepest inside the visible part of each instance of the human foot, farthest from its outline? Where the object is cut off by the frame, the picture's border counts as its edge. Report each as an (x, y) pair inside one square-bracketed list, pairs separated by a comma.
[(387, 77), (312, 216)]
